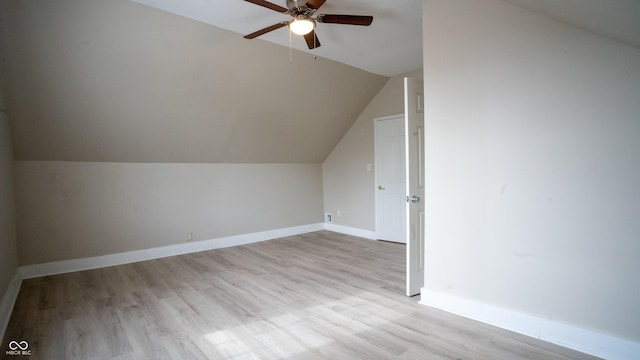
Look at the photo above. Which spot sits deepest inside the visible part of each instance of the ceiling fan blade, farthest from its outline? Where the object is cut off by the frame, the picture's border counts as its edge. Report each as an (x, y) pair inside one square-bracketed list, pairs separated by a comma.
[(346, 19), (315, 4), (266, 30), (312, 40), (269, 5)]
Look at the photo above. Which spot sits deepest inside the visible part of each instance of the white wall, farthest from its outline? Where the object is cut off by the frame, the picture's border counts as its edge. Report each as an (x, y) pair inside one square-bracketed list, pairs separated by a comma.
[(70, 210), (533, 166)]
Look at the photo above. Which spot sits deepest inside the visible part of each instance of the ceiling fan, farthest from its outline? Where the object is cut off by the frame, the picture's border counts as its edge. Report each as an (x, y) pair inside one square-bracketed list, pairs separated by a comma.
[(304, 21)]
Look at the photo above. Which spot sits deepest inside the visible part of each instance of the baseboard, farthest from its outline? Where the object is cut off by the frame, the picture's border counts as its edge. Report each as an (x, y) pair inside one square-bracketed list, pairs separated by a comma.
[(65, 266), (367, 234), (8, 301), (587, 341)]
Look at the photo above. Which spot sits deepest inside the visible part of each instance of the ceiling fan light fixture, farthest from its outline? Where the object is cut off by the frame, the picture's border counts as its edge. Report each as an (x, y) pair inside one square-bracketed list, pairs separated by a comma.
[(302, 25)]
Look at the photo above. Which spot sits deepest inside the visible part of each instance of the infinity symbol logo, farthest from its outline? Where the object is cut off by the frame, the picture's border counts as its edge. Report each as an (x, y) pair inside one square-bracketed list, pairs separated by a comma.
[(22, 345)]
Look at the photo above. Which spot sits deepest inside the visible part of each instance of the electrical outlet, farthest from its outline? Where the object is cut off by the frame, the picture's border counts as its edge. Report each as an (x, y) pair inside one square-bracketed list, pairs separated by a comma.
[(189, 236), (328, 217)]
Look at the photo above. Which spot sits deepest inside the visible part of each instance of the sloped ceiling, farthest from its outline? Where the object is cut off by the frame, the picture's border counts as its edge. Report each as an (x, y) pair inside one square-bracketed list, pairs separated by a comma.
[(616, 19), (392, 45), (123, 82)]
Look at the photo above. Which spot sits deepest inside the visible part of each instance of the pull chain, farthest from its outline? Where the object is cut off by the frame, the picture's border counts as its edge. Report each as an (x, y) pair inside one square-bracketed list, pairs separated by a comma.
[(290, 53), (315, 45)]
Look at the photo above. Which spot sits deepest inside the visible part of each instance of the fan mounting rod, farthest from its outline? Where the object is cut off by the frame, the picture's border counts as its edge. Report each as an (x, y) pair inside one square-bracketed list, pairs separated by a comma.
[(292, 4)]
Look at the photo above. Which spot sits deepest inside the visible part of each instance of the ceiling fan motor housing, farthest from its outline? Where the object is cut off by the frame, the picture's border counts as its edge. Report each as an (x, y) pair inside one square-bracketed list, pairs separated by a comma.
[(303, 22)]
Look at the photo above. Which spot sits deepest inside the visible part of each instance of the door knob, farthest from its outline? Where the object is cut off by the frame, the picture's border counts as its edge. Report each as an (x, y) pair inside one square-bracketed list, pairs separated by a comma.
[(380, 187), (415, 199)]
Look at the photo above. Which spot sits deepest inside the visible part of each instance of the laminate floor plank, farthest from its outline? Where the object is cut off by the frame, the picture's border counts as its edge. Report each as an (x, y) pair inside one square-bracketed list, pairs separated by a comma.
[(313, 296)]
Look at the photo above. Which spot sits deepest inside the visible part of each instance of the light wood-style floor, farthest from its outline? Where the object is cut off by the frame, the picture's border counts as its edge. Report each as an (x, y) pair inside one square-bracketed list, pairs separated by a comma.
[(315, 296)]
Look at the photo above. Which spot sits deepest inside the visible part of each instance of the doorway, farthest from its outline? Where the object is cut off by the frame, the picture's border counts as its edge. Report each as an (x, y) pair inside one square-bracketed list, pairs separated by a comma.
[(399, 181)]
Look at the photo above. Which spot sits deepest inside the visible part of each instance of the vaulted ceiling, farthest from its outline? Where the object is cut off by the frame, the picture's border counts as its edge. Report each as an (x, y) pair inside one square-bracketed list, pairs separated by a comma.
[(123, 82), (615, 19), (390, 46)]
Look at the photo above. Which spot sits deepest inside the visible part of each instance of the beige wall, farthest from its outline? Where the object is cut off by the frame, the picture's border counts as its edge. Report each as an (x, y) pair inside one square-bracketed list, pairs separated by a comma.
[(348, 185), (533, 165), (8, 248), (100, 91), (69, 210)]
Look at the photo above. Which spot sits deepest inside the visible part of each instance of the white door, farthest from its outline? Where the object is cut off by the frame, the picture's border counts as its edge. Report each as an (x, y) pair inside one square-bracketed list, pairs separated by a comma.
[(390, 178), (414, 117)]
